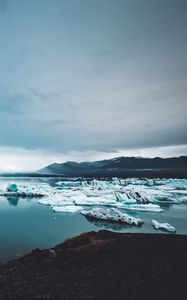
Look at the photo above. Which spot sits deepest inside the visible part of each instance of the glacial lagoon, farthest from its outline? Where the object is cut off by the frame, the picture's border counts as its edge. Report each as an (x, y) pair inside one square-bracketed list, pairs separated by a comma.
[(28, 222)]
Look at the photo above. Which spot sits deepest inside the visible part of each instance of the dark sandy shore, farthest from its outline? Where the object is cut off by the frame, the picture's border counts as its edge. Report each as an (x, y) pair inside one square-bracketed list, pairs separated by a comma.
[(103, 265)]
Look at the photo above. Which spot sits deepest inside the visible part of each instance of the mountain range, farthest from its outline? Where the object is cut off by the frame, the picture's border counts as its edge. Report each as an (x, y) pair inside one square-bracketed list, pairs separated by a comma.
[(122, 166)]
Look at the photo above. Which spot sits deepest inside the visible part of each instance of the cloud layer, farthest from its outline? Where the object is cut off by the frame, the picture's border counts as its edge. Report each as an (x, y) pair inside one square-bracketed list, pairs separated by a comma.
[(104, 76), (20, 160)]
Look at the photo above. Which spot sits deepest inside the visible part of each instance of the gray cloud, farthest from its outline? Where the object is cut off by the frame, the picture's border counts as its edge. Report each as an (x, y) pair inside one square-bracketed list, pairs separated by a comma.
[(93, 75)]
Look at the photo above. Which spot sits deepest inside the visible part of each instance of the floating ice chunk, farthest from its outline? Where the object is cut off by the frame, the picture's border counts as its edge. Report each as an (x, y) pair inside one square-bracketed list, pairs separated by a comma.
[(45, 201), (91, 193), (165, 226), (125, 199), (12, 187), (158, 182), (59, 183), (150, 182), (180, 188), (167, 200), (140, 198), (111, 215), (59, 201), (133, 197), (22, 194), (143, 207), (84, 183), (184, 200), (179, 192), (95, 201), (13, 190), (67, 208)]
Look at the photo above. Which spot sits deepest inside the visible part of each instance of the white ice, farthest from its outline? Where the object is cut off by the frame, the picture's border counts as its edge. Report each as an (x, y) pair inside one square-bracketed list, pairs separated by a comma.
[(143, 207), (23, 191), (67, 209), (111, 215), (129, 194), (165, 226)]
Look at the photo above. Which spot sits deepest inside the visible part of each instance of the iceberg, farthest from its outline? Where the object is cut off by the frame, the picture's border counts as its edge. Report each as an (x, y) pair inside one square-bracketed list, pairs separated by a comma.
[(56, 202), (111, 215), (165, 226), (150, 182), (67, 208), (12, 187), (184, 200), (13, 190), (59, 183), (167, 200), (95, 201), (139, 197), (132, 197), (143, 207), (125, 199)]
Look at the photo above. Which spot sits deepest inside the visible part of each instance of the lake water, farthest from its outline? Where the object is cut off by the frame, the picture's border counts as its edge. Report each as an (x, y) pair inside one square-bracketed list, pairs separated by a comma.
[(25, 224)]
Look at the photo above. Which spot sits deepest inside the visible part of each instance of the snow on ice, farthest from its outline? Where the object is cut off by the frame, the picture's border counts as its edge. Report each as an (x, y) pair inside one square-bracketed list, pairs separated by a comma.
[(112, 215), (165, 226)]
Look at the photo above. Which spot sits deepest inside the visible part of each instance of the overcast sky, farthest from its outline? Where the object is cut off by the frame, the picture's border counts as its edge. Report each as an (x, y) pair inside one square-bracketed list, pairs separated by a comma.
[(91, 79)]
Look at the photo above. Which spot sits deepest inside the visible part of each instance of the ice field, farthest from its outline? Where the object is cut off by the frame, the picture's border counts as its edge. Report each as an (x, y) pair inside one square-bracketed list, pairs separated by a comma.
[(42, 212)]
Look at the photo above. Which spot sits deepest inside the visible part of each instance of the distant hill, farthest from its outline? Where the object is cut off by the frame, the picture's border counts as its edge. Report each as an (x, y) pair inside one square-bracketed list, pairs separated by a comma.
[(122, 166)]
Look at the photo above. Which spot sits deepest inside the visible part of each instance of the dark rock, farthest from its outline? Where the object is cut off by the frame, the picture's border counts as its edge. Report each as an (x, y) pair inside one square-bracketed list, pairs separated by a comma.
[(101, 265)]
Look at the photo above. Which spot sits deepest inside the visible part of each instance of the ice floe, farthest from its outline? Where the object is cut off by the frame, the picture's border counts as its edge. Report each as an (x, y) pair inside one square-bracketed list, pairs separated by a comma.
[(143, 207), (67, 209), (111, 215), (13, 190), (131, 194), (164, 226)]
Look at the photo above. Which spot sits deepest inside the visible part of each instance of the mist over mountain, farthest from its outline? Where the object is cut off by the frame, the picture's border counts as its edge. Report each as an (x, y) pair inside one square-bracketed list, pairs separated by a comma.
[(122, 166)]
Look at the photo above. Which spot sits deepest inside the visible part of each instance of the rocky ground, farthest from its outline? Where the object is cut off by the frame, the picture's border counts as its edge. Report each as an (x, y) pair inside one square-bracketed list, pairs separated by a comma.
[(102, 265)]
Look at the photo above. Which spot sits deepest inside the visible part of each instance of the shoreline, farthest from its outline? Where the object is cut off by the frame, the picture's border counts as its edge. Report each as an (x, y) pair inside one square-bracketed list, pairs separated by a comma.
[(101, 265)]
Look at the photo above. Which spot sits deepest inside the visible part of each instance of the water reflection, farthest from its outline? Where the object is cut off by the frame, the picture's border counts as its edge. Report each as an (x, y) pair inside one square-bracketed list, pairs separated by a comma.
[(109, 225), (165, 206), (13, 200)]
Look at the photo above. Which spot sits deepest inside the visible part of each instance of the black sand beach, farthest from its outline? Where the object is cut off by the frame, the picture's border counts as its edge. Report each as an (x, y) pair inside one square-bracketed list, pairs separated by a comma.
[(101, 265)]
